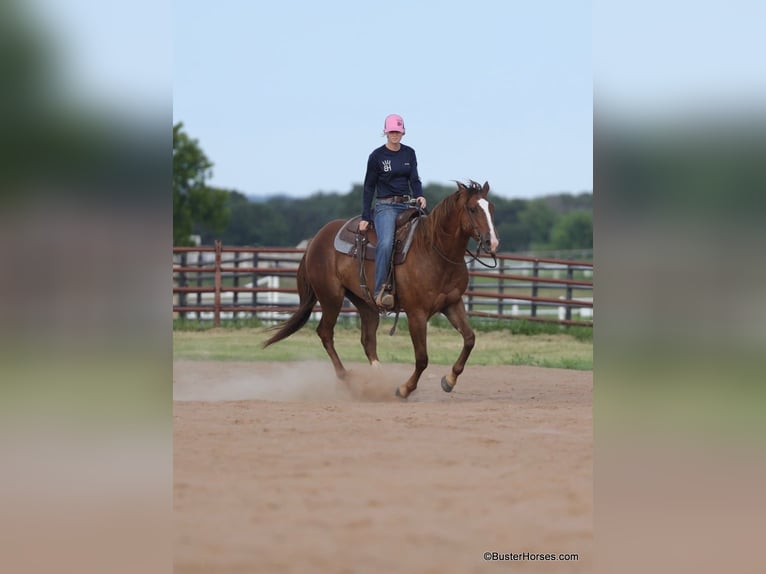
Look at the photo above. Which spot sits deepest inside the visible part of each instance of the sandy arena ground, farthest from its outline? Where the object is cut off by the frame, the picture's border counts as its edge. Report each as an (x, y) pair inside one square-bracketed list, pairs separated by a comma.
[(280, 470)]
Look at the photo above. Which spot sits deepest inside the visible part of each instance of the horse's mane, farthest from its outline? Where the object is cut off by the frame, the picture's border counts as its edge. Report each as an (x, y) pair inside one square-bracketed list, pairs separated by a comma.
[(445, 208)]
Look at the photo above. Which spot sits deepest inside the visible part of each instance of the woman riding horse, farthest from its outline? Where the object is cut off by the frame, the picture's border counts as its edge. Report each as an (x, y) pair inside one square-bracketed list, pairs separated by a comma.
[(392, 177), (431, 280)]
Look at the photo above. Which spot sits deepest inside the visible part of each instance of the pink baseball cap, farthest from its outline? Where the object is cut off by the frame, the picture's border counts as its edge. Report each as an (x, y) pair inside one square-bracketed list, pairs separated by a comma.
[(393, 123)]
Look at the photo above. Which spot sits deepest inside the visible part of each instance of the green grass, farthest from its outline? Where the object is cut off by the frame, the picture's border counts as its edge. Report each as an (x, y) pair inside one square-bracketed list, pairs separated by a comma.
[(497, 343), (515, 326)]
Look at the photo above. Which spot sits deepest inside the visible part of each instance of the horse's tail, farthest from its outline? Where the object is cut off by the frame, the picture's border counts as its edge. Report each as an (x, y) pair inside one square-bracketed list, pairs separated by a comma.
[(308, 299)]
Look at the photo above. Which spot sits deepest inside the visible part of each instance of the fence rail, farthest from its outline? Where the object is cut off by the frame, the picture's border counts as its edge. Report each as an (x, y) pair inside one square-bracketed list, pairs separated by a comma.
[(223, 282)]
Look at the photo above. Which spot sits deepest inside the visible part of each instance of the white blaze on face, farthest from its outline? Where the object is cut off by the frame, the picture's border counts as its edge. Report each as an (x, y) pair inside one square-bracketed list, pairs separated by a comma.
[(484, 204)]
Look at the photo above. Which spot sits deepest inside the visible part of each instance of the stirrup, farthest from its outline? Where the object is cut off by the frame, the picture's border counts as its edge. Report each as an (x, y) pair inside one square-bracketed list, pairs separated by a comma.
[(385, 301)]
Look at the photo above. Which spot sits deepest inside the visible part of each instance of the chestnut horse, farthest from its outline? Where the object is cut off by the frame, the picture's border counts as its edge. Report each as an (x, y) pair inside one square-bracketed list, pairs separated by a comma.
[(431, 280)]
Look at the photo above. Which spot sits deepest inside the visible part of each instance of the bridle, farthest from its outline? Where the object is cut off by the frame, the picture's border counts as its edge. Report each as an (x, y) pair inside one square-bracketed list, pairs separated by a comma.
[(474, 256)]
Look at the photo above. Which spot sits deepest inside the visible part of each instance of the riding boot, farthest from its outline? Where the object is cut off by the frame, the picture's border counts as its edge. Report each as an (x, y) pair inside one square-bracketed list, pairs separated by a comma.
[(385, 300)]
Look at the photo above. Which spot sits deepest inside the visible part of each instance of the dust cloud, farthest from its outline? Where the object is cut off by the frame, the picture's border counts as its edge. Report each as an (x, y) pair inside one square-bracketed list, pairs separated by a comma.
[(285, 382)]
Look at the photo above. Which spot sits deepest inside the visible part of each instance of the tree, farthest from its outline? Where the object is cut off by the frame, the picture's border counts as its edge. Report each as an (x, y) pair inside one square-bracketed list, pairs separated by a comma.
[(573, 231), (563, 203), (512, 235), (538, 220), (197, 208), (253, 223)]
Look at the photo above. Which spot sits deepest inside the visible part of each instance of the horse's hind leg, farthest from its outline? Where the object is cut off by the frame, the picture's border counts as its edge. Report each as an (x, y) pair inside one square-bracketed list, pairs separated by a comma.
[(370, 321), (457, 317), (326, 331)]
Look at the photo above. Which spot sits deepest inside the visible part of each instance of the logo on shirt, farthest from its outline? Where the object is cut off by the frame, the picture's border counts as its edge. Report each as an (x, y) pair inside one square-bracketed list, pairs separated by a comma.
[(386, 165)]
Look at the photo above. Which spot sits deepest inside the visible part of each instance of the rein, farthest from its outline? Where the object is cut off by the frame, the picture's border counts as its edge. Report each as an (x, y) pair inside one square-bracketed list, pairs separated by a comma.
[(474, 256), (447, 259)]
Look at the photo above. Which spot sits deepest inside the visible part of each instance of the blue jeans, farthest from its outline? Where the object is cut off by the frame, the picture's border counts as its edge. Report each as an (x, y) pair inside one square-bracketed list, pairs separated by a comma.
[(385, 227)]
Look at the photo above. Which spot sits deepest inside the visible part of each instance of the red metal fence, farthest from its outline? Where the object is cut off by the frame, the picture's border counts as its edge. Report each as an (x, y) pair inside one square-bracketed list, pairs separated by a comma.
[(218, 282)]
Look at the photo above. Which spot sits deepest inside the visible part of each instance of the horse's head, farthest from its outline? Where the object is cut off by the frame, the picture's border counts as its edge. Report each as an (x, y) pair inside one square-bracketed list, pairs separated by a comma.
[(476, 219)]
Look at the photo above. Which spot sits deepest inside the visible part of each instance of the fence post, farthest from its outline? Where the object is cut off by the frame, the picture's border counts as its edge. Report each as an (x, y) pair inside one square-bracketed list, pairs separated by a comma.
[(570, 277), (236, 284), (200, 265), (501, 287), (253, 294), (535, 275), (217, 296), (182, 283)]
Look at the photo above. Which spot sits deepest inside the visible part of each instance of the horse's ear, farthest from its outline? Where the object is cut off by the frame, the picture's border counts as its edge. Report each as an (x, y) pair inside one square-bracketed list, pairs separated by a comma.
[(485, 188)]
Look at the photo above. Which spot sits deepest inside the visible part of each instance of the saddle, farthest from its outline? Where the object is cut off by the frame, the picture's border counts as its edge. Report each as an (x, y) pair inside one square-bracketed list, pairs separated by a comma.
[(347, 239)]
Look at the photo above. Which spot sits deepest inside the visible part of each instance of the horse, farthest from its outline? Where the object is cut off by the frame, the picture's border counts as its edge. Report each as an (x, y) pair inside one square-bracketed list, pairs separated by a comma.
[(431, 280)]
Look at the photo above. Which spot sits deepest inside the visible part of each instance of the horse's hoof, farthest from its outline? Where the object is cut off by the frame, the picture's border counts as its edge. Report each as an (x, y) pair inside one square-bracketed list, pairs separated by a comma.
[(400, 395), (446, 386)]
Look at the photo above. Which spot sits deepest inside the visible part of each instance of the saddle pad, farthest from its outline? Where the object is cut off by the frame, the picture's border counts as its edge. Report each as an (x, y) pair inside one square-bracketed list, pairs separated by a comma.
[(346, 240)]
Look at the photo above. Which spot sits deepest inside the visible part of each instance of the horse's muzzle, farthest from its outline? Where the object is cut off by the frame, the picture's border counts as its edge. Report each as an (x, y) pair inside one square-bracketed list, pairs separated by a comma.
[(489, 245)]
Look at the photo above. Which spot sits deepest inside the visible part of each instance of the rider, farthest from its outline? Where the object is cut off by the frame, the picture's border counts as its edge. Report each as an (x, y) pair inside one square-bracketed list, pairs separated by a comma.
[(392, 177)]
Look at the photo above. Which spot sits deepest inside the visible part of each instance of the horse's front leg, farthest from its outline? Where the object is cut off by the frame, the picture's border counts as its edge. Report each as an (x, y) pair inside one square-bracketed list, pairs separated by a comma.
[(459, 319), (417, 325)]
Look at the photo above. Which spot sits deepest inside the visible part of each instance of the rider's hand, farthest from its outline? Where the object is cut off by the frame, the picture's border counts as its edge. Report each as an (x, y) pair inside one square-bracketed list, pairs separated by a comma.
[(421, 202), (363, 225)]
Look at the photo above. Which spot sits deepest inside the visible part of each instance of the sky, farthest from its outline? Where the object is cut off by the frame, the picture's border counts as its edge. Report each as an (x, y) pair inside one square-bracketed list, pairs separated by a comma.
[(289, 97), (109, 54), (658, 60)]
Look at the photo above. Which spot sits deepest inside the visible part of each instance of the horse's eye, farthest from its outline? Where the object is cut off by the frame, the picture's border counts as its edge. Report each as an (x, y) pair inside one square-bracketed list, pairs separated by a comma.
[(472, 209)]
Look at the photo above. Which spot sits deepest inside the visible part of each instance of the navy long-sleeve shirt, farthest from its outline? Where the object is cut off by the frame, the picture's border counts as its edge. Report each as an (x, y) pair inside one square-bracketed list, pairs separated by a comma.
[(390, 173)]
